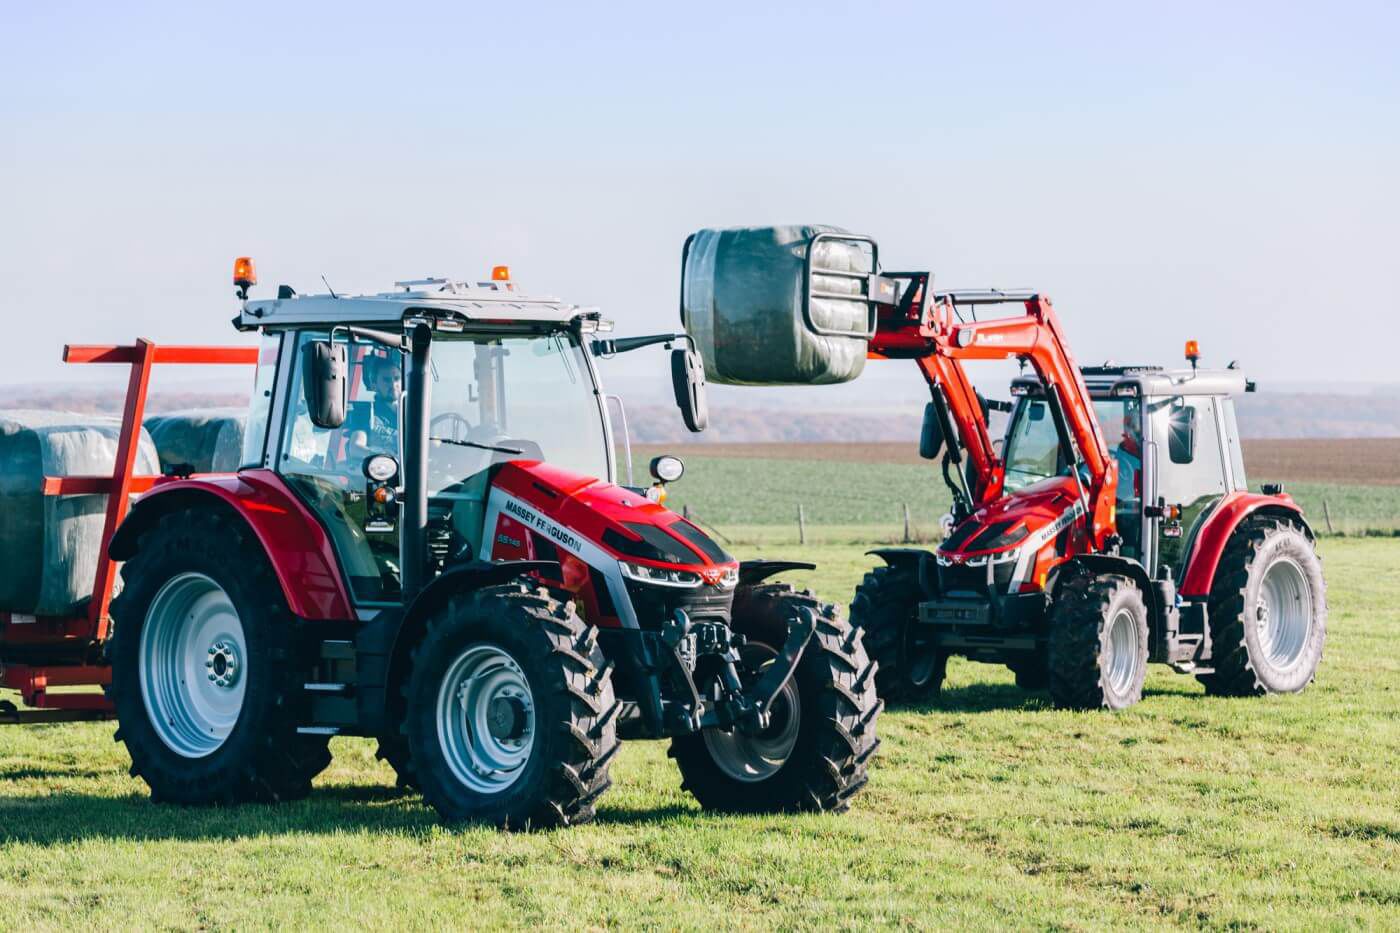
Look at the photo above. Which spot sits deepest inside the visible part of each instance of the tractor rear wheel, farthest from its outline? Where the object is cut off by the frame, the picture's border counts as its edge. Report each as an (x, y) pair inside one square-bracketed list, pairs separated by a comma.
[(815, 752), (1268, 612), (203, 673), (883, 608), (511, 714), (1098, 642)]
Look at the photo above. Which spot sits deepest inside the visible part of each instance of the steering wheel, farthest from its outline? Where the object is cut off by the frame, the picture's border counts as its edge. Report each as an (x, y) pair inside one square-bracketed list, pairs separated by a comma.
[(460, 425)]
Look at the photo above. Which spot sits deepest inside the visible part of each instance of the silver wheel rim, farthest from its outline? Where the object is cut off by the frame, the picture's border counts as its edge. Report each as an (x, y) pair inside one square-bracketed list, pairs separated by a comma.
[(757, 756), (1283, 613), (193, 665), (486, 719), (1122, 651)]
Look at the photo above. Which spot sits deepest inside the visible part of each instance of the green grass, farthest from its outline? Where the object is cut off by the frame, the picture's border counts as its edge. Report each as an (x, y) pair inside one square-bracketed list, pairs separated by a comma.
[(729, 492), (986, 808)]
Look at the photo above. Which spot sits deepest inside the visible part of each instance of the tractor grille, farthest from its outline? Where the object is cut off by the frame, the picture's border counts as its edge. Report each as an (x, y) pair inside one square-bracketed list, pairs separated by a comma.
[(656, 603), (960, 578)]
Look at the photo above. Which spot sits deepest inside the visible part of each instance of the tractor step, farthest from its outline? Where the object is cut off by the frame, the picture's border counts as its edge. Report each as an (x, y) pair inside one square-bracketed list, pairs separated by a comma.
[(326, 688)]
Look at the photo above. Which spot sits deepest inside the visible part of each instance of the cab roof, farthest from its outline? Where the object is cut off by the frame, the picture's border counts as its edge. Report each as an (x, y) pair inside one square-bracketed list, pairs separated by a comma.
[(494, 302), (1151, 381)]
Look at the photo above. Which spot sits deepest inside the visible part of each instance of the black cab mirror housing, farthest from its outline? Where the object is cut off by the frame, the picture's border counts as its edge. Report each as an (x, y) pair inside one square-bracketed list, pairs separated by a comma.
[(931, 435), (688, 380), (1181, 434), (326, 383)]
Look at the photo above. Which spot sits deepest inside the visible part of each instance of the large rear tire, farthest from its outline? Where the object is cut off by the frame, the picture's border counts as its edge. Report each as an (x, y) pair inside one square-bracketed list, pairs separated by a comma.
[(1098, 642), (203, 673), (884, 608), (511, 714), (1268, 612), (815, 753)]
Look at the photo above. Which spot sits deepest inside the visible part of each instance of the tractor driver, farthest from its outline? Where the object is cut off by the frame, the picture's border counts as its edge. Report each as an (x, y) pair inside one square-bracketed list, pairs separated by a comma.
[(381, 434)]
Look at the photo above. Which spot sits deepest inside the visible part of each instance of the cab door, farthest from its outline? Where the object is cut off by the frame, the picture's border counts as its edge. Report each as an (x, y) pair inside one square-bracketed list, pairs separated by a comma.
[(1188, 471)]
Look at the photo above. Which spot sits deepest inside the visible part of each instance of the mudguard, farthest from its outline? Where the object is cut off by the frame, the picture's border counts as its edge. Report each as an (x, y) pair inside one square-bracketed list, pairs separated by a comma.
[(756, 571), (1215, 534), (296, 544)]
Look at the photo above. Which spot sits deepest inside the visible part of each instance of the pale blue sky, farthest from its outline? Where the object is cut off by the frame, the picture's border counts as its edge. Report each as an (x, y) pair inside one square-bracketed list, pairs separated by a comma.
[(1220, 171)]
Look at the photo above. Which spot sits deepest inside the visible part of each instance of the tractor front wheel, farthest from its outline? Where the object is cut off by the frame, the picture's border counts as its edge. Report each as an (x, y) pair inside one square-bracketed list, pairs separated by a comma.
[(883, 608), (1098, 642), (815, 751), (511, 714), (1268, 612), (203, 674)]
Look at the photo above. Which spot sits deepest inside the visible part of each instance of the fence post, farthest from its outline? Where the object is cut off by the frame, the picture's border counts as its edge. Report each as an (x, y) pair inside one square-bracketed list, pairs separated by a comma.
[(1327, 516), (801, 524), (907, 538), (685, 511)]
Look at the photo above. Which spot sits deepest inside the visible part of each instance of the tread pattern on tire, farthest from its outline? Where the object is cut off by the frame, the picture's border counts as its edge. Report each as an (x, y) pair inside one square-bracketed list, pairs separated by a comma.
[(278, 763), (837, 679), (1078, 621), (1234, 673), (587, 730), (880, 608)]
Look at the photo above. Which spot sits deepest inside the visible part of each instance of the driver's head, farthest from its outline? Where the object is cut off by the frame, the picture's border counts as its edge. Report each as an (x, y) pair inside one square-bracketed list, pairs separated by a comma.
[(385, 380)]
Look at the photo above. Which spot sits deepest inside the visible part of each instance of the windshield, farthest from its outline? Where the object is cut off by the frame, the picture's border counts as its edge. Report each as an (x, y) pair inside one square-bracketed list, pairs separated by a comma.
[(1033, 446), (532, 397)]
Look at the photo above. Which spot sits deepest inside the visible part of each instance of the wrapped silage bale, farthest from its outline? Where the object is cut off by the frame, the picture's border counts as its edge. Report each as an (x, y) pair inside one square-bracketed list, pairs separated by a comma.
[(743, 291), (208, 439), (49, 544)]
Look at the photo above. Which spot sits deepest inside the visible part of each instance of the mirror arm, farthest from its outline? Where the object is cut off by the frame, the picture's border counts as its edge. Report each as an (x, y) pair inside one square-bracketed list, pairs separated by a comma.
[(613, 347)]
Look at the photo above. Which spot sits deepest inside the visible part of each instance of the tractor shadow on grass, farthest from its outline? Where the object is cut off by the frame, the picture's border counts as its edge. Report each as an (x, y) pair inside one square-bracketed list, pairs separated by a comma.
[(62, 817), (994, 697)]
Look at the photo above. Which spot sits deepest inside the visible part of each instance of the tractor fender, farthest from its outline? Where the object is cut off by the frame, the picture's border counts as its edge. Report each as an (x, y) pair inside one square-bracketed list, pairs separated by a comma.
[(473, 575), (756, 571), (1133, 570), (914, 560), (297, 545), (1215, 532)]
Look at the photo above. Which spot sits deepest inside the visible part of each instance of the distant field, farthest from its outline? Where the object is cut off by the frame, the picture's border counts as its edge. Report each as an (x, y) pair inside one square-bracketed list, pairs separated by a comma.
[(744, 488)]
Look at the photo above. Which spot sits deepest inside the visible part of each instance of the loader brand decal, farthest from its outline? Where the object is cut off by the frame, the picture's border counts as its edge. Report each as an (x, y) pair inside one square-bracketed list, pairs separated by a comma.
[(1035, 542), (502, 503)]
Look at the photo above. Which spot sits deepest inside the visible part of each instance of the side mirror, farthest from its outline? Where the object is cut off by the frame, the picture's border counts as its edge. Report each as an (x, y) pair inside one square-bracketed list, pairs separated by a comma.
[(688, 379), (326, 383), (931, 435), (1181, 434)]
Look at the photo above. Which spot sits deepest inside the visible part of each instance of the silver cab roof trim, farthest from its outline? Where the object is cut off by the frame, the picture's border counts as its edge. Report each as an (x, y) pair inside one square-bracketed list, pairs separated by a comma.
[(475, 304), (1164, 382)]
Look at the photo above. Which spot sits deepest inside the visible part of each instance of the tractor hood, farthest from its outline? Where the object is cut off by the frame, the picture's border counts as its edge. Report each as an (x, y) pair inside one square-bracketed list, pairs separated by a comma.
[(1027, 518), (580, 513)]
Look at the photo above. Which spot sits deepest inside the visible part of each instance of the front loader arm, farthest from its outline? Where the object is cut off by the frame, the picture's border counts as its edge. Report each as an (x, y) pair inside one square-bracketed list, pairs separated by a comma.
[(1036, 337)]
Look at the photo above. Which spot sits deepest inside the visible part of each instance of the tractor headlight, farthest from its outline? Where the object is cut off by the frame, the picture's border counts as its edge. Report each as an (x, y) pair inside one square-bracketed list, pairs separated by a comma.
[(662, 576), (730, 578)]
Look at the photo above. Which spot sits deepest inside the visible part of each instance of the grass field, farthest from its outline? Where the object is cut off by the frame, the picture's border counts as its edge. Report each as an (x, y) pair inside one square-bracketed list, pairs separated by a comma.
[(868, 485), (986, 808)]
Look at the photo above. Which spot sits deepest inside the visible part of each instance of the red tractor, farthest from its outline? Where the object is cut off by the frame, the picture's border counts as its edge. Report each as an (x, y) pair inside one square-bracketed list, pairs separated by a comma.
[(1073, 556), (419, 548)]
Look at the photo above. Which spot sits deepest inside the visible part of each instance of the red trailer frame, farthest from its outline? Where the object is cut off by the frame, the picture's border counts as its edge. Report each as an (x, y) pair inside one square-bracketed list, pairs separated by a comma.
[(77, 641)]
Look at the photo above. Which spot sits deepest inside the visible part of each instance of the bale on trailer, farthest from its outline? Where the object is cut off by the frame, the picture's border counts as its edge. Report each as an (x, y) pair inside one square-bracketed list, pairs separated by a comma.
[(208, 439), (49, 545)]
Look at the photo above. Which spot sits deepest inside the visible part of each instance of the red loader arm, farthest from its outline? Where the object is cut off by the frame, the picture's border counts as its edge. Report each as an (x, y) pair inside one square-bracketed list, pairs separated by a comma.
[(931, 333)]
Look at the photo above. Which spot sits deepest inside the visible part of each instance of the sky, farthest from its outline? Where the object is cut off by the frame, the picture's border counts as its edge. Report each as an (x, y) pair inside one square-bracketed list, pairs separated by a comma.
[(1222, 172)]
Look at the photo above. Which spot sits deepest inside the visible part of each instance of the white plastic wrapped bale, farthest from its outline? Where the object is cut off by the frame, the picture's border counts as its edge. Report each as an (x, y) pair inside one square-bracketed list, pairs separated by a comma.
[(208, 439), (744, 302), (49, 544)]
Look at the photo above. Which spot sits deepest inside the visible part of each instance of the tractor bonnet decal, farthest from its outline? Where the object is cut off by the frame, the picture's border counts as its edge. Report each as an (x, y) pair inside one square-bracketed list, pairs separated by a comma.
[(1035, 542), (591, 554)]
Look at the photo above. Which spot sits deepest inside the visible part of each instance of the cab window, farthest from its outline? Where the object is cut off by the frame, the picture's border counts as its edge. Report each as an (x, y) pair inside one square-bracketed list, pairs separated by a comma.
[(325, 466)]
